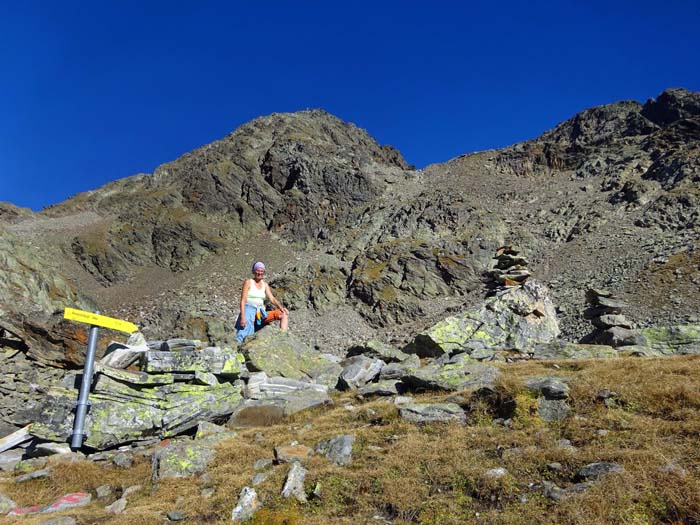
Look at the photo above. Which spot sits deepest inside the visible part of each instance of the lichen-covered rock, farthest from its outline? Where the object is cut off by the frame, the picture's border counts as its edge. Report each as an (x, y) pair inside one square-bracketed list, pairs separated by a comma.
[(564, 350), (457, 374), (433, 413), (386, 387), (180, 459), (220, 361), (279, 353), (681, 339), (378, 350), (518, 320), (6, 504), (395, 371), (121, 413)]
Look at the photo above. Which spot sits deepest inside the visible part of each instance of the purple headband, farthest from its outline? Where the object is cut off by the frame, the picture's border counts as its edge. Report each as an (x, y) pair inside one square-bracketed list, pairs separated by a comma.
[(258, 266)]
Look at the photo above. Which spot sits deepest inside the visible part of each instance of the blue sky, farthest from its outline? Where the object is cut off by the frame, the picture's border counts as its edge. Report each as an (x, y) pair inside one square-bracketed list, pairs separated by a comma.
[(95, 91)]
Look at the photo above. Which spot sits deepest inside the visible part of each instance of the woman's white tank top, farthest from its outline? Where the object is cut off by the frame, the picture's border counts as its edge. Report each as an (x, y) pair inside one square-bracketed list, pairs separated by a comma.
[(256, 296)]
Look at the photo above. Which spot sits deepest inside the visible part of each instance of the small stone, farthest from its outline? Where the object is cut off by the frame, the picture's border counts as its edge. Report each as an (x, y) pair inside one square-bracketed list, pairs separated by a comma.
[(554, 466), (294, 485), (130, 490), (123, 460), (260, 477), (402, 400), (262, 464), (248, 503), (104, 491), (496, 473), (338, 449), (594, 471), (6, 504), (176, 516), (602, 432), (63, 520), (118, 506), (207, 493), (37, 474), (291, 453)]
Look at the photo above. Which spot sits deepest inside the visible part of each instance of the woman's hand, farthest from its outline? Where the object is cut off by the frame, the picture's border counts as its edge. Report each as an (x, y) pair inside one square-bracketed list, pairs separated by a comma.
[(241, 322)]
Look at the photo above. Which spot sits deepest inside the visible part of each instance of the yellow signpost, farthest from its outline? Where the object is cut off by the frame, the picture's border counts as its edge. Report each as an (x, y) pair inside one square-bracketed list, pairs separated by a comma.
[(95, 320), (99, 320)]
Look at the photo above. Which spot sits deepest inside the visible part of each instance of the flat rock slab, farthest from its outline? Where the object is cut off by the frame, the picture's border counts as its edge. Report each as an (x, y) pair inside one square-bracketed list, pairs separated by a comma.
[(389, 387), (559, 350), (292, 453), (69, 501), (220, 361), (272, 410), (680, 340), (120, 413), (422, 413), (454, 375)]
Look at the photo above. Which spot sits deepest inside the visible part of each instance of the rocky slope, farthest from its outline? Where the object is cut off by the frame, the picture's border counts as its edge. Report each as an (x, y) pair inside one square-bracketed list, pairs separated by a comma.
[(361, 245)]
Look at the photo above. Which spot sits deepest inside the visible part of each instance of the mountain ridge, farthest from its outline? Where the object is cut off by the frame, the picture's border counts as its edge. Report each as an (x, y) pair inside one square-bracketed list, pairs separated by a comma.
[(349, 226)]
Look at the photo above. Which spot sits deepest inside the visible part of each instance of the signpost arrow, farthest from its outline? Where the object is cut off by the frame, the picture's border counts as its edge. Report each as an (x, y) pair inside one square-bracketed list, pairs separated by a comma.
[(99, 320), (95, 320)]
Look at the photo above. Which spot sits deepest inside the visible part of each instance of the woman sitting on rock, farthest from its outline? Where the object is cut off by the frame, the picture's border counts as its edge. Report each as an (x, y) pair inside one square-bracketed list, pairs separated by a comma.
[(253, 315)]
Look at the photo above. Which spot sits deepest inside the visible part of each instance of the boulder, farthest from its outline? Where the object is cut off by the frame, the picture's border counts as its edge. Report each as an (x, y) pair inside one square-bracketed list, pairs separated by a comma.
[(279, 353), (358, 371), (272, 410), (517, 319), (548, 386), (386, 387)]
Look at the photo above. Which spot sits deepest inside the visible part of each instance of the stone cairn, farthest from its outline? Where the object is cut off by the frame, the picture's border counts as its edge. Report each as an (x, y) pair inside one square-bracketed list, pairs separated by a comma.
[(510, 271), (611, 326)]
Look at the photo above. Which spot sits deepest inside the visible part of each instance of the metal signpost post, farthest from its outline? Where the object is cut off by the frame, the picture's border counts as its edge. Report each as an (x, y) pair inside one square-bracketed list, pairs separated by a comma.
[(95, 320)]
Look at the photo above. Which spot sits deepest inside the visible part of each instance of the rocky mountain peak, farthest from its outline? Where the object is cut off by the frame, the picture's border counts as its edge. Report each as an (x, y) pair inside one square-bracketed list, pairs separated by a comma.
[(672, 105)]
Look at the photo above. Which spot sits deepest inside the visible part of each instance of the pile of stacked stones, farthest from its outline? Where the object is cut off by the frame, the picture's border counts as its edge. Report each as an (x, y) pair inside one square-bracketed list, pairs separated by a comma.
[(611, 327), (511, 268)]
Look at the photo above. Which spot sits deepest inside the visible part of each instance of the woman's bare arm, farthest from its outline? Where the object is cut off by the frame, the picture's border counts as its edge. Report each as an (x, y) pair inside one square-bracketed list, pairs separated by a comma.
[(244, 297)]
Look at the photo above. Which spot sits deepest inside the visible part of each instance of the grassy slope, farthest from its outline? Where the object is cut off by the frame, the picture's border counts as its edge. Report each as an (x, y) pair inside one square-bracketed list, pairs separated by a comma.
[(436, 474)]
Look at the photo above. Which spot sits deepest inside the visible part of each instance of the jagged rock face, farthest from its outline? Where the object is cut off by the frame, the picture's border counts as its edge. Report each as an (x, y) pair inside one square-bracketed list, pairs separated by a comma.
[(301, 175), (33, 293)]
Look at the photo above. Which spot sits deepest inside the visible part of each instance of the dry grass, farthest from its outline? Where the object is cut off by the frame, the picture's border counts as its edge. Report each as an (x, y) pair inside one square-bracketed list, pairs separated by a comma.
[(437, 474)]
